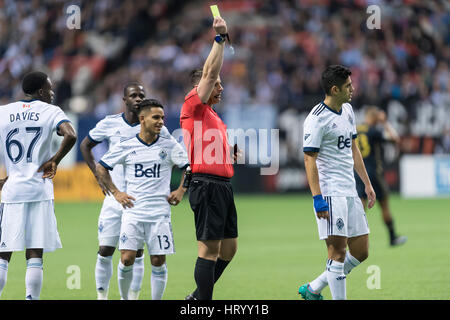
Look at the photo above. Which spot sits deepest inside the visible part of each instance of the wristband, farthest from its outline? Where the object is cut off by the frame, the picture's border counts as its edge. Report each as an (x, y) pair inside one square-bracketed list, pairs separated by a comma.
[(320, 204), (187, 178)]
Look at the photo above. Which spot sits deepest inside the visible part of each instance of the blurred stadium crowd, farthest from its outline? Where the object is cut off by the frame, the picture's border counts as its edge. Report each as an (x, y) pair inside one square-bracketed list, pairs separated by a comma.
[(281, 49)]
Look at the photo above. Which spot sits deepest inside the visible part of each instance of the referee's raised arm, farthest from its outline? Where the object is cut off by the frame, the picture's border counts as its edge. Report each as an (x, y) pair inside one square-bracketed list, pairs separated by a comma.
[(213, 63)]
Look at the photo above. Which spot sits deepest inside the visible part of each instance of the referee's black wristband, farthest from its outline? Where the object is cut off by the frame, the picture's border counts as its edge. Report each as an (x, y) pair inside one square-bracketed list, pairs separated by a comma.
[(187, 178)]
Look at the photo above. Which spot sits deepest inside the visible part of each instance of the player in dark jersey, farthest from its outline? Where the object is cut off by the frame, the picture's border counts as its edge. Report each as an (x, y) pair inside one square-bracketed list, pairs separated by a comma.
[(370, 142)]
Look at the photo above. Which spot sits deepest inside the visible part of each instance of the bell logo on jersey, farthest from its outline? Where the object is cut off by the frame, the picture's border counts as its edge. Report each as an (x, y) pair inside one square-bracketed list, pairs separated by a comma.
[(344, 143), (149, 173)]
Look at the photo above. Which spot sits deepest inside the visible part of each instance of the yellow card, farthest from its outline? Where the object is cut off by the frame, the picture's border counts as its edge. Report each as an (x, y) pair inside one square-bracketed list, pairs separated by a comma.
[(215, 11)]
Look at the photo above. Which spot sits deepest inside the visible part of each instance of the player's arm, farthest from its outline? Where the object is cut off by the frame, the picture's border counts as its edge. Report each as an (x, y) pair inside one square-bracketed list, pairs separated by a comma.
[(312, 174), (360, 169), (176, 196), (213, 63), (86, 151), (66, 130), (123, 198)]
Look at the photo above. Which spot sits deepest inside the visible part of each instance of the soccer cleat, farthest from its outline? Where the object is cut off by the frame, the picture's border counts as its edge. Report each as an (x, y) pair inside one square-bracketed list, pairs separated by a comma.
[(307, 294), (190, 297), (133, 295), (399, 241)]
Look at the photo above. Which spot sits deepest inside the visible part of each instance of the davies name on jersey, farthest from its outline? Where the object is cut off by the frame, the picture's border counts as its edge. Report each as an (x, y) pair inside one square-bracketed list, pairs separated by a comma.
[(31, 116)]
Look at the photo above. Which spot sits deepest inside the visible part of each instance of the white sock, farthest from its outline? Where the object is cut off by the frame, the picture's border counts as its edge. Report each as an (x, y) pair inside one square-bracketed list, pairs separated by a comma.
[(138, 275), (33, 279), (159, 281), (3, 274), (318, 284), (125, 275), (350, 263), (103, 273), (336, 279)]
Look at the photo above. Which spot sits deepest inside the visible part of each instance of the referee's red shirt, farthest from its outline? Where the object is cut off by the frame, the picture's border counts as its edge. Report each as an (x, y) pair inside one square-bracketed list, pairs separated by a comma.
[(205, 137)]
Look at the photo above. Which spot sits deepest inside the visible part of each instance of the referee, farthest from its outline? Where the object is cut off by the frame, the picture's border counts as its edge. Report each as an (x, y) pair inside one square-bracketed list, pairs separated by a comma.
[(210, 193)]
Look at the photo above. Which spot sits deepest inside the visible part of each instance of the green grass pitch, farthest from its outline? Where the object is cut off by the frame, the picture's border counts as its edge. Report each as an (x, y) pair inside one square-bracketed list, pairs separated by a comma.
[(278, 251)]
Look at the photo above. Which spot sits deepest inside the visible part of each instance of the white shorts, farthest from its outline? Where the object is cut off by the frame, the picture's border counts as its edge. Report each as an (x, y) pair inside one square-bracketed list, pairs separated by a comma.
[(28, 225), (346, 218), (109, 222), (157, 235)]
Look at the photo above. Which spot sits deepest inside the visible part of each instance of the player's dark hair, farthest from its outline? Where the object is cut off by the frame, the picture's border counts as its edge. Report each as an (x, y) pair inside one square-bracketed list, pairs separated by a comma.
[(195, 76), (334, 75), (148, 104), (129, 85), (33, 81)]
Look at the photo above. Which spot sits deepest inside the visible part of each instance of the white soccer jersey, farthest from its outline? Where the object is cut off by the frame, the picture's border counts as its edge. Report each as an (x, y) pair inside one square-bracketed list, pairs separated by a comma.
[(330, 134), (26, 129), (148, 170), (115, 128)]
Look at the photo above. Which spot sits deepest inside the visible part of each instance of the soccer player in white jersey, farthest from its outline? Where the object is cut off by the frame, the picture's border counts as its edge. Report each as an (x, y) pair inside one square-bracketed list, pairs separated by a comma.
[(113, 129), (330, 154), (148, 159), (27, 218)]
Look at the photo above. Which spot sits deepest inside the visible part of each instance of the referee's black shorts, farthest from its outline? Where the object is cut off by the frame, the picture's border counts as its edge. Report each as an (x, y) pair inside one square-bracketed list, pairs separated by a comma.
[(211, 198)]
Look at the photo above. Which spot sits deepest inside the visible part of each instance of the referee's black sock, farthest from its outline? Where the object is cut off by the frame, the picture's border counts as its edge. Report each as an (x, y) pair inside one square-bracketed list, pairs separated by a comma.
[(390, 227), (204, 277), (218, 270)]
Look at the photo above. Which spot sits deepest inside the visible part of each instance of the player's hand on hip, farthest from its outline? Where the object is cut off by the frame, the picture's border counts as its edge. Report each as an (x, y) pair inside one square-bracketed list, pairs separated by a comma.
[(49, 169), (124, 199), (219, 25), (321, 207), (371, 196)]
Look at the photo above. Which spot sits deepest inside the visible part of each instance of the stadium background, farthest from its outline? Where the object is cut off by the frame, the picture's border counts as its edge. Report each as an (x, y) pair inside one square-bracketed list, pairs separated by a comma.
[(272, 82)]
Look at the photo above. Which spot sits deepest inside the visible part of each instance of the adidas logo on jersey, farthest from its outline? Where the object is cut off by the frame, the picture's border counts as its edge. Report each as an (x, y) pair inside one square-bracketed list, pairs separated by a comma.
[(3, 245), (307, 136), (350, 119), (334, 126)]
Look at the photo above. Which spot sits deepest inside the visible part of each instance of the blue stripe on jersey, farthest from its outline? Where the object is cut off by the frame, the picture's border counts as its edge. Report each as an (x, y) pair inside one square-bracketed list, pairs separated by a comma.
[(327, 199), (354, 136), (311, 149), (130, 124), (319, 110), (92, 139), (145, 143), (59, 123), (334, 111), (57, 126), (331, 215), (105, 165)]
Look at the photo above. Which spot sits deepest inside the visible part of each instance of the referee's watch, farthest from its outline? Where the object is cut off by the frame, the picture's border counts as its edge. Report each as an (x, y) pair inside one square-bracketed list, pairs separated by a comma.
[(220, 38)]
